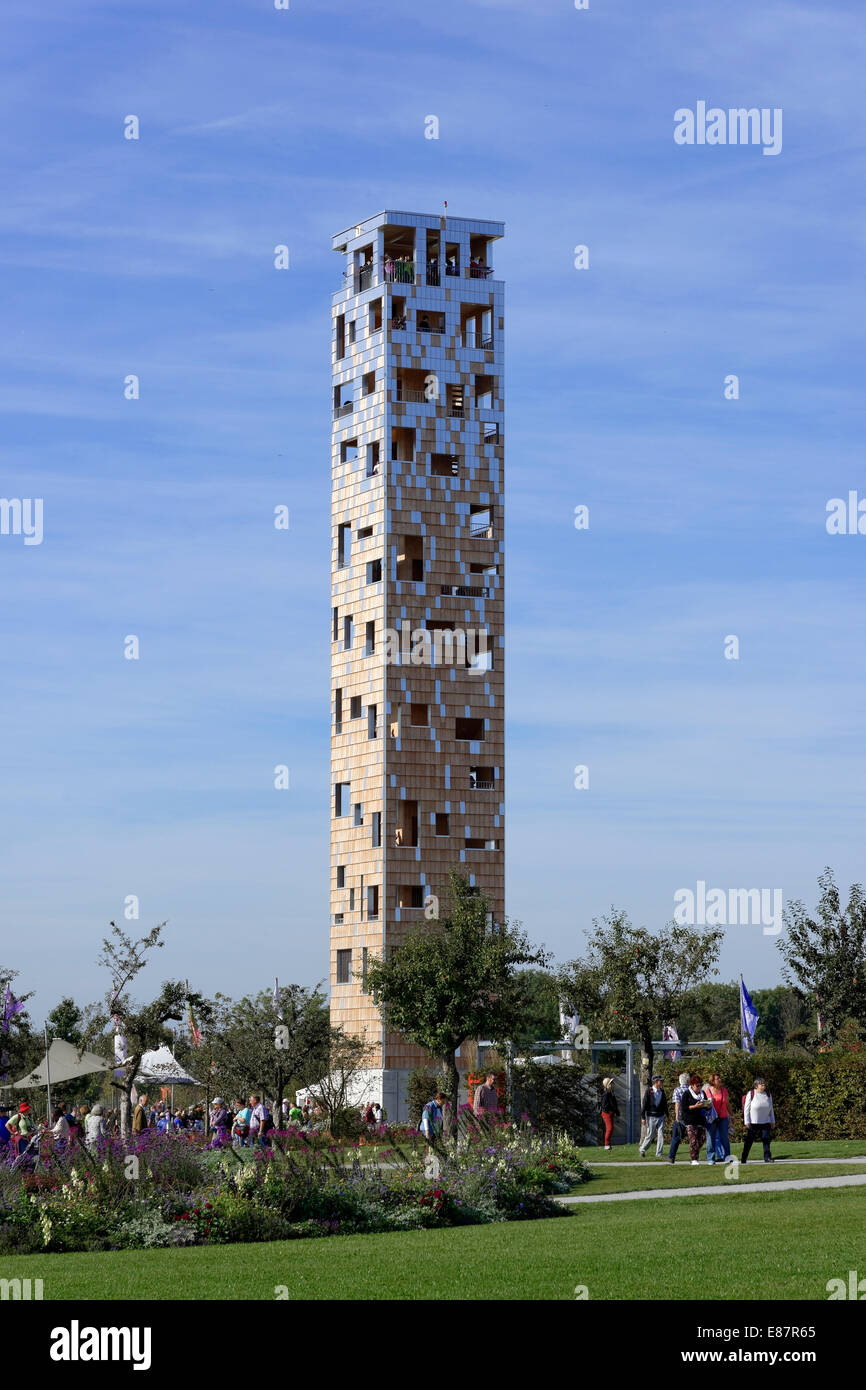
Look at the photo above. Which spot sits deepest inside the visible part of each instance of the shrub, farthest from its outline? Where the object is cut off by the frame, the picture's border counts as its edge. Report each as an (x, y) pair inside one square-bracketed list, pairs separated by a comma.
[(814, 1097), (554, 1097), (423, 1083)]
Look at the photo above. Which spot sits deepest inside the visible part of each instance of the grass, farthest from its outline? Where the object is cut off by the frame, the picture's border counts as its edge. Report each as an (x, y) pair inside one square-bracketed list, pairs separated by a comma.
[(776, 1245), (782, 1148)]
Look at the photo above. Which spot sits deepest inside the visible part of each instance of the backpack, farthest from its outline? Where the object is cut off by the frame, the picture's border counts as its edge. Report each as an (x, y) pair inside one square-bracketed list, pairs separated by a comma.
[(268, 1122)]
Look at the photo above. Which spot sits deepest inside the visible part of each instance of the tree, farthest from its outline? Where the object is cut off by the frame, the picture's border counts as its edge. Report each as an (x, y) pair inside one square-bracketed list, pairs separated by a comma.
[(341, 1083), (20, 1048), (248, 1047), (143, 1027), (64, 1021), (630, 983), (540, 1018), (455, 979), (825, 955), (710, 1010)]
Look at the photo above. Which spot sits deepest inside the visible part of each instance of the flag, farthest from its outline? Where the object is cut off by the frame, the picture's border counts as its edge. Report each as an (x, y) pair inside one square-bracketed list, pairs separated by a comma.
[(119, 1051), (276, 996), (13, 1007), (748, 1019), (670, 1034), (195, 1036)]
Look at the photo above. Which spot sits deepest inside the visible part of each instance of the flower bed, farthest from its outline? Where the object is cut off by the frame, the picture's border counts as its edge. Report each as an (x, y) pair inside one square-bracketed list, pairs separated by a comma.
[(164, 1190)]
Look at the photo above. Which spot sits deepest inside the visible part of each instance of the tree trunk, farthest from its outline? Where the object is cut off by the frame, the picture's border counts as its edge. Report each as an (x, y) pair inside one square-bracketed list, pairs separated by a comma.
[(125, 1113), (449, 1062), (646, 1068)]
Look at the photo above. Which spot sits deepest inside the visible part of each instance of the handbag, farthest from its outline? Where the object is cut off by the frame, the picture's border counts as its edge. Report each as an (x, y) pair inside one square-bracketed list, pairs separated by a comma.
[(712, 1113)]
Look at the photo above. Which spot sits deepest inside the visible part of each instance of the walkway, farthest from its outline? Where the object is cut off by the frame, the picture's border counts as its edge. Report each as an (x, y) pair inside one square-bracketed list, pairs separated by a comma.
[(791, 1185)]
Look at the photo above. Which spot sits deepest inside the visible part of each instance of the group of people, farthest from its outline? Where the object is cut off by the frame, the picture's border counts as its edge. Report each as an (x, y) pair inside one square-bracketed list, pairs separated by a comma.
[(485, 1106), (250, 1125), (702, 1115), (22, 1133)]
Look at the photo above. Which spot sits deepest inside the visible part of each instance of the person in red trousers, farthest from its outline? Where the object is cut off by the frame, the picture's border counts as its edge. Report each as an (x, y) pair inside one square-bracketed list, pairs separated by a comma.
[(609, 1108)]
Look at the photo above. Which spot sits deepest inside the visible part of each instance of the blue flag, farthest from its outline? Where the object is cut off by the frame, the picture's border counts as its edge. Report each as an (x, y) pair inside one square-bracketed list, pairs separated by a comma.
[(748, 1019)]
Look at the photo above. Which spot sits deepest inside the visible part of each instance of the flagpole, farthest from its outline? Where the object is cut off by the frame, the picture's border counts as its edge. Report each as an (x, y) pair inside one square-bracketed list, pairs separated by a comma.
[(47, 1075)]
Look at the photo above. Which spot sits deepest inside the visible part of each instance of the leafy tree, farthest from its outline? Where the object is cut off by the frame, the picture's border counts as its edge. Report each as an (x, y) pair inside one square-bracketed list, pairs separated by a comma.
[(340, 1084), (630, 982), (783, 1014), (144, 1026), (455, 979), (64, 1021), (710, 1010), (540, 1019), (20, 1048), (825, 955), (248, 1047)]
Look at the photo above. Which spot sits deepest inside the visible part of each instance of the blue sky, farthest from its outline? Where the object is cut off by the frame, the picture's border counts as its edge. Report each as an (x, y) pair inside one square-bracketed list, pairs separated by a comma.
[(155, 257)]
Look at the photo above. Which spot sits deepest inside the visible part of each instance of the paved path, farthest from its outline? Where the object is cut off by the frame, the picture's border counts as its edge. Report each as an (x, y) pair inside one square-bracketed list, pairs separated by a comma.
[(791, 1185), (648, 1162)]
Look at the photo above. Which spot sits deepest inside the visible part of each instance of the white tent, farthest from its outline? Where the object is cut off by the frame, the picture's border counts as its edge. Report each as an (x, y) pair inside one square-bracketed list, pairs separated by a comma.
[(63, 1062), (161, 1068)]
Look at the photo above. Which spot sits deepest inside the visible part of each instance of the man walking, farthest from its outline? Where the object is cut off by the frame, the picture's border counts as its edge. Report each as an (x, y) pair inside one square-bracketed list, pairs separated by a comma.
[(654, 1110), (486, 1102), (678, 1131), (139, 1116)]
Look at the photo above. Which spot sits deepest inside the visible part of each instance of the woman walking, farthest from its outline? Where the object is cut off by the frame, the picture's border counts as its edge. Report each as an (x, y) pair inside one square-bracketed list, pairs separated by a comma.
[(718, 1143), (694, 1106), (759, 1119), (609, 1108)]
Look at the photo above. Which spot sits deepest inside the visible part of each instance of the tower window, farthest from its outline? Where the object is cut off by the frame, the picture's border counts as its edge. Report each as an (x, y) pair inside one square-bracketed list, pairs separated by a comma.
[(472, 729), (344, 967)]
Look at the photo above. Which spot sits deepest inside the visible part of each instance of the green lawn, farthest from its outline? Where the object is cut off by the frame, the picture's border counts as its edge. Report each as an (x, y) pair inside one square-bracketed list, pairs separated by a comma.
[(782, 1148), (782, 1245), (654, 1174)]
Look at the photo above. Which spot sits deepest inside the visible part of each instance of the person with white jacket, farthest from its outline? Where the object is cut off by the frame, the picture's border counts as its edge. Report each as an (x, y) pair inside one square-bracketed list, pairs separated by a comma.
[(759, 1118), (95, 1128)]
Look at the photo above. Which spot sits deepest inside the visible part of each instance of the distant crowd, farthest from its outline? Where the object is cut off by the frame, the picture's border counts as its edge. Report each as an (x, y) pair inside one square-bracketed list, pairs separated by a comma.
[(701, 1115)]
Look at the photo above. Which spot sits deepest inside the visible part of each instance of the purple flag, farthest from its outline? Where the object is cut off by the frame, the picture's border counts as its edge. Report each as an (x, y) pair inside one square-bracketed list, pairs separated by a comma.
[(13, 1007)]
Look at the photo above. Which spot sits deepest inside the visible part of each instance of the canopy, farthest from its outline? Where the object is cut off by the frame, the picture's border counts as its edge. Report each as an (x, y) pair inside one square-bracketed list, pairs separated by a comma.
[(63, 1062), (161, 1068)]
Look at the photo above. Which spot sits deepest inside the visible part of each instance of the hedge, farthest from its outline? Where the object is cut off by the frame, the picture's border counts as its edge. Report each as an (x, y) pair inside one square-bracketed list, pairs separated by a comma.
[(814, 1097)]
